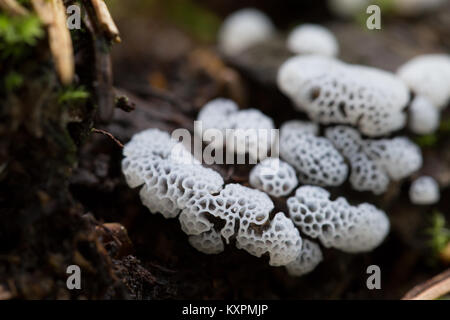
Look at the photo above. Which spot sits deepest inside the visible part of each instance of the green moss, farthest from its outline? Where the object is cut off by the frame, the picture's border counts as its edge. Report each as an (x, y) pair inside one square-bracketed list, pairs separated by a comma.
[(438, 232), (70, 94), (197, 20), (13, 81), (445, 126), (427, 140), (18, 34)]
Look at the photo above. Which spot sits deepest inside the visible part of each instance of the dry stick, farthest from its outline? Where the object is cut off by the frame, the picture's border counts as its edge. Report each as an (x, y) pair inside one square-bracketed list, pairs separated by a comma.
[(103, 78), (53, 15), (13, 7), (432, 289), (108, 134), (105, 20)]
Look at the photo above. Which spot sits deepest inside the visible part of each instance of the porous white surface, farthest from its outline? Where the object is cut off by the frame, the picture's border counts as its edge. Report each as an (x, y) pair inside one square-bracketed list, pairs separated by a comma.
[(281, 240), (331, 91), (312, 39), (375, 162), (168, 173), (245, 213), (315, 158), (296, 126), (423, 116), (209, 242), (424, 190), (216, 115), (399, 156), (274, 177), (429, 76), (251, 130), (336, 223), (307, 260), (243, 29), (235, 203)]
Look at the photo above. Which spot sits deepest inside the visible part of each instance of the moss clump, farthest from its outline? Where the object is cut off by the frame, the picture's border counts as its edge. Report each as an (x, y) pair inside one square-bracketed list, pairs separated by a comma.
[(73, 94), (17, 34), (439, 234)]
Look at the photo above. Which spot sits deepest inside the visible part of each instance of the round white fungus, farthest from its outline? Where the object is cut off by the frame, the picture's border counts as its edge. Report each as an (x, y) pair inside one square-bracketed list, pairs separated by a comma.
[(424, 190), (429, 76), (423, 116), (243, 29), (312, 39)]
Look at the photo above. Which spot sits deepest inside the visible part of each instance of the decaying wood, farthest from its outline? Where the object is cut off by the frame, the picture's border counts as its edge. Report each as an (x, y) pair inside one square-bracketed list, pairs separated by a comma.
[(103, 67), (105, 20), (53, 15), (432, 289), (13, 7)]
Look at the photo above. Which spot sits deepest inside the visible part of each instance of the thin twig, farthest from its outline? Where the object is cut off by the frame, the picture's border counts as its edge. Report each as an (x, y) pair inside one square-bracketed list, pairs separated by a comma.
[(105, 20), (108, 134), (432, 289)]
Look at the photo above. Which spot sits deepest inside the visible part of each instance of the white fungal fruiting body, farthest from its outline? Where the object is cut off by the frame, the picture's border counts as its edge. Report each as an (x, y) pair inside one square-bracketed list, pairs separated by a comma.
[(245, 213), (299, 126), (336, 223), (424, 191), (274, 177), (168, 176), (423, 116), (209, 242), (399, 156), (281, 240), (428, 76), (242, 131), (307, 260), (375, 162), (312, 39), (315, 158), (330, 91), (243, 29), (234, 203)]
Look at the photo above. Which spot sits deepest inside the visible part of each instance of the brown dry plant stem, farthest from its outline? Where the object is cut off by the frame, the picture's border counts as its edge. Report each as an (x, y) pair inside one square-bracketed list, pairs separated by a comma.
[(105, 20), (53, 15), (432, 289), (13, 7)]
